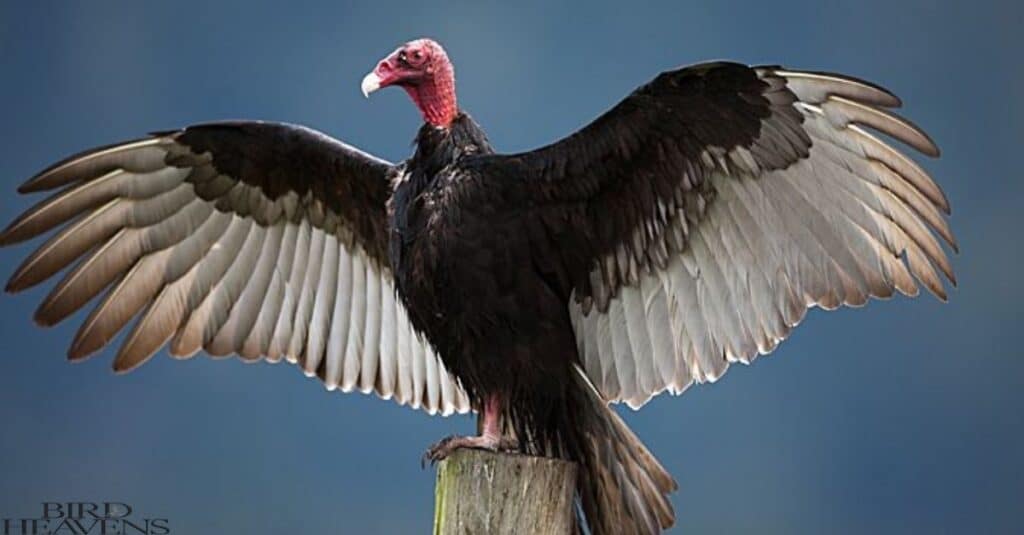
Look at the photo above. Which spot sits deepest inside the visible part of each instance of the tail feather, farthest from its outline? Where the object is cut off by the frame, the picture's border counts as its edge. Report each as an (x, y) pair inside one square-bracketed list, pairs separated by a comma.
[(623, 489)]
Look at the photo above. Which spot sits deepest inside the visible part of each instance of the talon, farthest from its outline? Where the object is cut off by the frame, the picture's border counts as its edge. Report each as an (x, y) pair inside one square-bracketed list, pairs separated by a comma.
[(447, 445), (439, 450)]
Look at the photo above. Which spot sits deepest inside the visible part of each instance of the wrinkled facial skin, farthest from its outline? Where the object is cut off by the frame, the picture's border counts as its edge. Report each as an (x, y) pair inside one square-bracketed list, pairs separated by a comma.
[(422, 69), (407, 66)]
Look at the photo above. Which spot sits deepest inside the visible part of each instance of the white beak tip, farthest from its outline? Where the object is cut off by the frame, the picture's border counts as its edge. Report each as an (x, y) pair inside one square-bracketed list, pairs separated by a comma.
[(371, 83)]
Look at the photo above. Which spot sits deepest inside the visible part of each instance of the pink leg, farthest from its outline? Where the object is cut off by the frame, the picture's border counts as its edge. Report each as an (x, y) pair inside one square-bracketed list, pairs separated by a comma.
[(489, 439), (492, 417)]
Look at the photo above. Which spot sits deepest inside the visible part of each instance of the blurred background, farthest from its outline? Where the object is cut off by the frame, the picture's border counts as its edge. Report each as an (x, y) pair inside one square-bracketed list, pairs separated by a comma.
[(904, 417)]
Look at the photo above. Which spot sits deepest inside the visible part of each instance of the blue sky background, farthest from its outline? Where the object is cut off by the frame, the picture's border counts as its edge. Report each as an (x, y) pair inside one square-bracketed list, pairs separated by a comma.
[(902, 417)]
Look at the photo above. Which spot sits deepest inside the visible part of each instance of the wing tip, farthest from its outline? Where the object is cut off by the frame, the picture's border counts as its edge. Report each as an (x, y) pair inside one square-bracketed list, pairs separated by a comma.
[(119, 368), (52, 176), (44, 319), (77, 353), (125, 363), (34, 183), (16, 283), (924, 144), (6, 239), (9, 235), (878, 95)]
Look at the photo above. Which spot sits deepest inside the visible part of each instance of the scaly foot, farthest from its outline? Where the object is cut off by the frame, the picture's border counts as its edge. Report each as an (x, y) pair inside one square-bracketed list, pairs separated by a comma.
[(447, 445)]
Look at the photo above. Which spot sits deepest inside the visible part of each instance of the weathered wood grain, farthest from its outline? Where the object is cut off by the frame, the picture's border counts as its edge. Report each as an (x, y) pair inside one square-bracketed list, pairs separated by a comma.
[(503, 494)]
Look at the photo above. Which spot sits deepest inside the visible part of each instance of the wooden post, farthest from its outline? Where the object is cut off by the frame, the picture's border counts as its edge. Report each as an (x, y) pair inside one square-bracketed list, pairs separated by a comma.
[(503, 494)]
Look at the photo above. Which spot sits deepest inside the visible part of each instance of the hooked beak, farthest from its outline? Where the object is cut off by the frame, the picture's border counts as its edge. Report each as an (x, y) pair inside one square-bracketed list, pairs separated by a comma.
[(371, 83)]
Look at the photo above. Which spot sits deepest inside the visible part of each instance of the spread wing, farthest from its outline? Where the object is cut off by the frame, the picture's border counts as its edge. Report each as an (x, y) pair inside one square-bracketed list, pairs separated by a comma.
[(264, 240), (696, 221)]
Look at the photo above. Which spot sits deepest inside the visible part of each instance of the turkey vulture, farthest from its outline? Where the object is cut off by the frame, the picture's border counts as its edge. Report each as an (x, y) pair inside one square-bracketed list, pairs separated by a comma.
[(689, 227)]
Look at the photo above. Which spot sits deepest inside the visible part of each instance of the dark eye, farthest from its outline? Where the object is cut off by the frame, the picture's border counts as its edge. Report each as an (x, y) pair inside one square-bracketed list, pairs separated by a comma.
[(402, 56)]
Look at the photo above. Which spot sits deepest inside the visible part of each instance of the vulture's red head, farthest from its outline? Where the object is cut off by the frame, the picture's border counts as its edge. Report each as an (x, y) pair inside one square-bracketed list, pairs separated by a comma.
[(421, 67)]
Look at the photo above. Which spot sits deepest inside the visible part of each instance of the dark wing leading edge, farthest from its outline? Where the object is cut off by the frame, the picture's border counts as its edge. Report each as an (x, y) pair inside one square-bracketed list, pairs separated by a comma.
[(259, 239), (697, 220)]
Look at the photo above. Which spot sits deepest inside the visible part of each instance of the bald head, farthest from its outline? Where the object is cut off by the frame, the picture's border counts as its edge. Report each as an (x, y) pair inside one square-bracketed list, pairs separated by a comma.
[(422, 68)]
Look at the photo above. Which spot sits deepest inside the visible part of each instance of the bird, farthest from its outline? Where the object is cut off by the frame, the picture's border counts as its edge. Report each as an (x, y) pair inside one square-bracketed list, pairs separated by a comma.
[(689, 227)]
